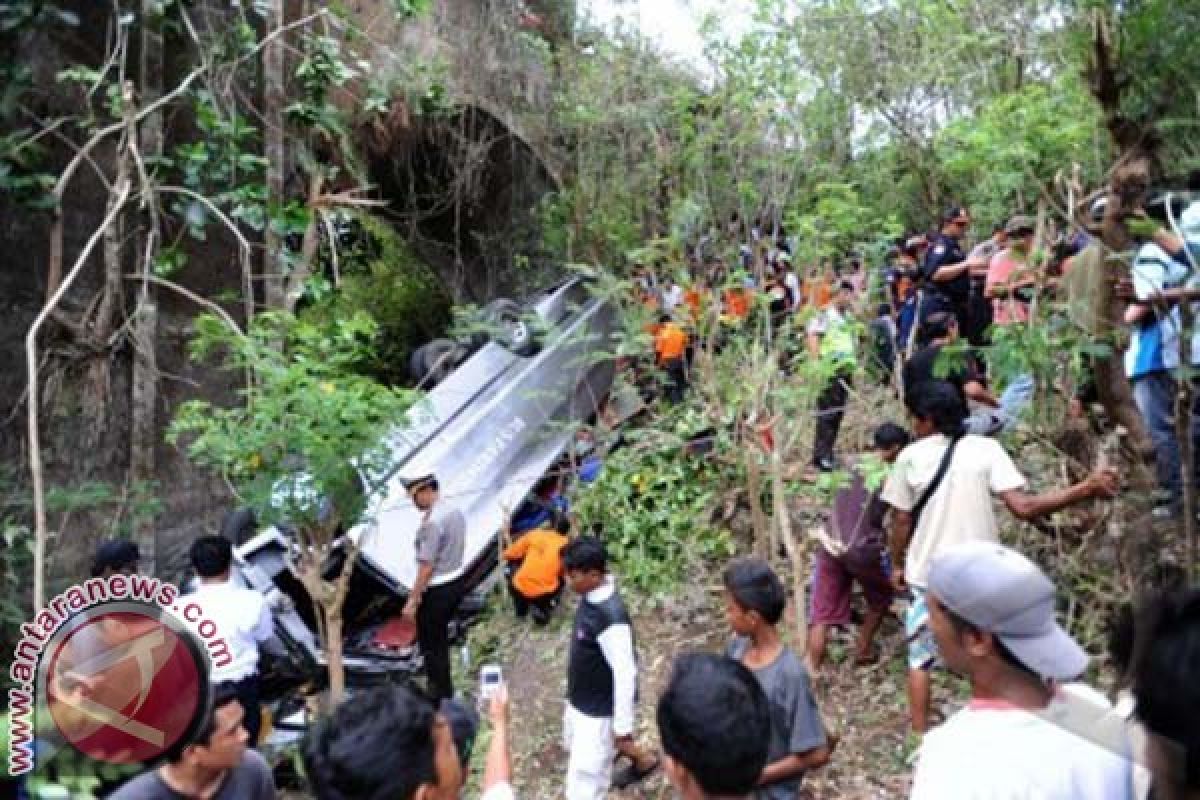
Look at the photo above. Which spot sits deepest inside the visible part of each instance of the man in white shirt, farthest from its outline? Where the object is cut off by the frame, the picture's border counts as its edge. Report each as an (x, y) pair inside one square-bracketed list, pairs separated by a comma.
[(601, 679), (390, 743), (243, 620), (959, 509), (1023, 734), (672, 296)]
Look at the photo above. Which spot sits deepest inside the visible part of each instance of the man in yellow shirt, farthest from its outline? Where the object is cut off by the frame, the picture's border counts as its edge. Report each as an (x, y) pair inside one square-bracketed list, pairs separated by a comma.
[(538, 581)]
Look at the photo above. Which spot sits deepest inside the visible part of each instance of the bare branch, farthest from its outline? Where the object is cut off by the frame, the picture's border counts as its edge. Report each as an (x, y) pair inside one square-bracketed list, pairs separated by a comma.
[(35, 451)]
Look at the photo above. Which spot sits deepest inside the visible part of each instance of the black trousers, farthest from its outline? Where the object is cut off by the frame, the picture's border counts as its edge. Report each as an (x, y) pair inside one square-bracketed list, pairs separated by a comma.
[(979, 318), (248, 697), (831, 406), (676, 371), (883, 349), (438, 605), (543, 605)]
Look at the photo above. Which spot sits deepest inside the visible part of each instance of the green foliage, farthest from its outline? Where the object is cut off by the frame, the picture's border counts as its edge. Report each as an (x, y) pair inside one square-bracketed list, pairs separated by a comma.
[(20, 158), (222, 164), (380, 277), (1157, 69), (407, 9), (1000, 160), (653, 505), (305, 426), (321, 70), (128, 507), (21, 153), (839, 221), (16, 569)]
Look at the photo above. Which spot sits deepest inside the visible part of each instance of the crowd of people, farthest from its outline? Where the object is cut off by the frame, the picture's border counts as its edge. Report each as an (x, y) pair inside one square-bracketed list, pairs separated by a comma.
[(746, 723)]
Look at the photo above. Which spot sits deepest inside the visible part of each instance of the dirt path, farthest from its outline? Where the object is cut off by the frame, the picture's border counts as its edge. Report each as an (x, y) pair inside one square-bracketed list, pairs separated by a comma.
[(865, 705)]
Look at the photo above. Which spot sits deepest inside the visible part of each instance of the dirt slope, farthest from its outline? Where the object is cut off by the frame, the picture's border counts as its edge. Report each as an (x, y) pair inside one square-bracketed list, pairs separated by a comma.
[(865, 705)]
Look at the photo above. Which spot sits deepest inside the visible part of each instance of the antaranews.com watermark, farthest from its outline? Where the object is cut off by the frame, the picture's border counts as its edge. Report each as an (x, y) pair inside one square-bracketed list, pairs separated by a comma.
[(121, 664)]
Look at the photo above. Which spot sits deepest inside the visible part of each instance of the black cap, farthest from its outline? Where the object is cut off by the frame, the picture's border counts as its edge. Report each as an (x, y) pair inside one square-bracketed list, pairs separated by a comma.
[(115, 555), (954, 213)]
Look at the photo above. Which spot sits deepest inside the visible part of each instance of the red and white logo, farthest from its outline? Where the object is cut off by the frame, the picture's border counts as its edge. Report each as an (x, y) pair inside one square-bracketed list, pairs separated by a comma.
[(125, 682)]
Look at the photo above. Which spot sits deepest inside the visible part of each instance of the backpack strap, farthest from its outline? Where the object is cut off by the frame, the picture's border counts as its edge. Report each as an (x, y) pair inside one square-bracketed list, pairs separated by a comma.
[(942, 469)]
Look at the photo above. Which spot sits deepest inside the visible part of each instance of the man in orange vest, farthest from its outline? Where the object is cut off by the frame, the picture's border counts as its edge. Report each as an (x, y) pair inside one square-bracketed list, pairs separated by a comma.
[(670, 349)]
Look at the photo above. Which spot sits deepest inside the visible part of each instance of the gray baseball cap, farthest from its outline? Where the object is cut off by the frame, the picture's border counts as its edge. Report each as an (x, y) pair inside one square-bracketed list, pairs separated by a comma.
[(1002, 592), (1019, 224)]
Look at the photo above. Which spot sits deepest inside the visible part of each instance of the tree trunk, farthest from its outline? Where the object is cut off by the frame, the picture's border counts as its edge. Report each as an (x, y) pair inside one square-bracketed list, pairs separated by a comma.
[(143, 435), (333, 654), (1094, 309), (334, 644), (104, 321), (762, 536), (273, 139), (797, 554), (294, 283), (1183, 432)]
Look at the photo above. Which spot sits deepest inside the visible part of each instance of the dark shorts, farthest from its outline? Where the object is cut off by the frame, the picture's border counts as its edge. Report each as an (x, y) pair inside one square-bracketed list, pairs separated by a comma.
[(832, 583)]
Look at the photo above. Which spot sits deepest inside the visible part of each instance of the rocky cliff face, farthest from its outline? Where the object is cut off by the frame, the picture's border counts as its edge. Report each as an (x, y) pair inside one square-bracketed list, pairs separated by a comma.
[(468, 178), (491, 61)]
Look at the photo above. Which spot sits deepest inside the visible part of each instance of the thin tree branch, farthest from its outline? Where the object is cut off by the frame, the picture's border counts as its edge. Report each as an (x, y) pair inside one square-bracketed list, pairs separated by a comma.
[(35, 451)]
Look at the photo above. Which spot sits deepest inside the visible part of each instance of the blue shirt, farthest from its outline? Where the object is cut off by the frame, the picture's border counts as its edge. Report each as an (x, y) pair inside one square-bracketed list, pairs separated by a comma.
[(1145, 353), (1156, 344)]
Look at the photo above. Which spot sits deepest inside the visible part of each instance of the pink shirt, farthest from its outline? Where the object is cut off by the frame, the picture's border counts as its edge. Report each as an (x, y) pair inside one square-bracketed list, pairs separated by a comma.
[(1001, 269)]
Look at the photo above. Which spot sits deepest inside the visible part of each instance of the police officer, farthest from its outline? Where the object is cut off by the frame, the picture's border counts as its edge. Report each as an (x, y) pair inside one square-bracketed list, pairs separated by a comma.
[(946, 271), (439, 588)]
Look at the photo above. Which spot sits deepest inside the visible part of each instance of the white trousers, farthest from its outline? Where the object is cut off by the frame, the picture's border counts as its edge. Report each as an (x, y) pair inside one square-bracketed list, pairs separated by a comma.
[(589, 743)]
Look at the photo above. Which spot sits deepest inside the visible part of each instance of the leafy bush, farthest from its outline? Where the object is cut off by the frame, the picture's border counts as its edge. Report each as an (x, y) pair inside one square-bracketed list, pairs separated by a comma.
[(306, 409), (381, 278), (653, 506)]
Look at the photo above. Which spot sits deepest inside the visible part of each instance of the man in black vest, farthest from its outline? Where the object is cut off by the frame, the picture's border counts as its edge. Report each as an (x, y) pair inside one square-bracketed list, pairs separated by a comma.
[(601, 679)]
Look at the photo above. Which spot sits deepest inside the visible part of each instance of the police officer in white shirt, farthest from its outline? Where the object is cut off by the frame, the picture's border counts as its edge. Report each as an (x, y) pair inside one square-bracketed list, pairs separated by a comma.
[(243, 620)]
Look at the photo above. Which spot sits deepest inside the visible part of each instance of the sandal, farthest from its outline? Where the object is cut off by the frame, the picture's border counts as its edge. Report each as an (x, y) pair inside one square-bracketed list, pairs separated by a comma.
[(630, 775)]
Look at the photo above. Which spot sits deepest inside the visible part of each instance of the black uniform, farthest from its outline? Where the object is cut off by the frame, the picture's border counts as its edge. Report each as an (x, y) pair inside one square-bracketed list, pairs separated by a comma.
[(952, 295)]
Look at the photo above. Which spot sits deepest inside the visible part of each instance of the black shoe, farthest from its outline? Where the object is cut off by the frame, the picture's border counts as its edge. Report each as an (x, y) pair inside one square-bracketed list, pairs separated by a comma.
[(630, 774)]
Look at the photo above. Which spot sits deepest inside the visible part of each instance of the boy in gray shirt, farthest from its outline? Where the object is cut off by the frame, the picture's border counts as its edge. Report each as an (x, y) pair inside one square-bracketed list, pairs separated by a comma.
[(754, 604), (215, 764)]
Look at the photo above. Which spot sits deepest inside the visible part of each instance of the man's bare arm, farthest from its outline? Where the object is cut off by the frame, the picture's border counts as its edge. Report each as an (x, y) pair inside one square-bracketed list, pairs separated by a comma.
[(794, 764), (424, 576), (974, 390), (1025, 506), (902, 530)]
